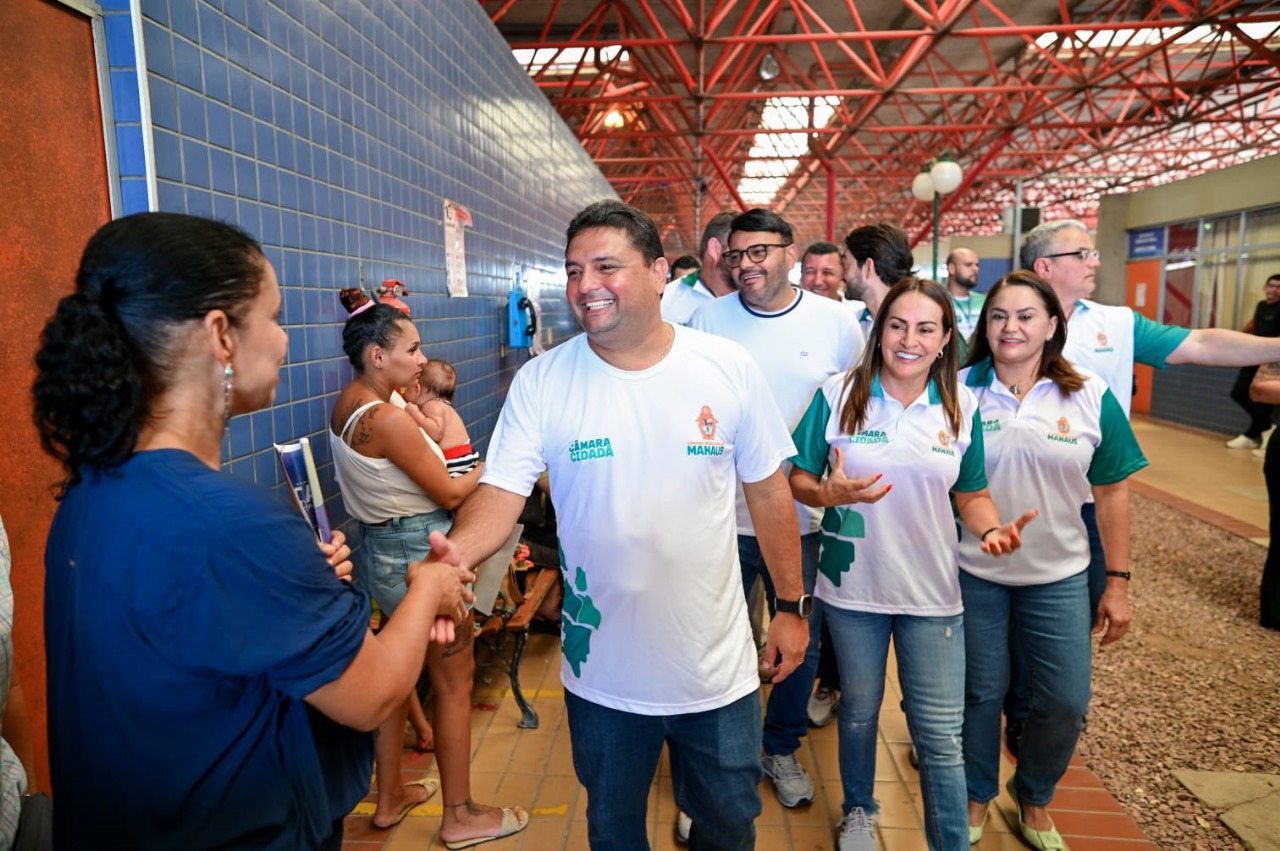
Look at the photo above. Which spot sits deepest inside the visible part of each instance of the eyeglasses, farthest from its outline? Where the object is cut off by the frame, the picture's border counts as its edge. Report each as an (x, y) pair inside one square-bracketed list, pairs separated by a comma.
[(1271, 285), (755, 253), (1084, 255)]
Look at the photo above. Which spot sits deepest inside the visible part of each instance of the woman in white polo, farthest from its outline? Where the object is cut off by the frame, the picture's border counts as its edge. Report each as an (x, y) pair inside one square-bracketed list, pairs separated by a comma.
[(896, 438), (1053, 434)]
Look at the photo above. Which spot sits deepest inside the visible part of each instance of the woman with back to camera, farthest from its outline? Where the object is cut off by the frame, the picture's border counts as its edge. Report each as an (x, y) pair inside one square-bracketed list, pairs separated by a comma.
[(395, 482), (191, 622), (888, 565), (1054, 434)]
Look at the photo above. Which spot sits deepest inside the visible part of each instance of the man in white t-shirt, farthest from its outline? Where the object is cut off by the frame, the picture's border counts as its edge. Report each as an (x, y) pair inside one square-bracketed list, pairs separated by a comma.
[(878, 257), (962, 277), (799, 340), (645, 429), (682, 296)]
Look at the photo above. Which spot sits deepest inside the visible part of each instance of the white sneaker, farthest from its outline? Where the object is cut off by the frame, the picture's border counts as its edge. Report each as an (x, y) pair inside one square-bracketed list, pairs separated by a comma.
[(1243, 441), (684, 824), (857, 831), (823, 705), (789, 779)]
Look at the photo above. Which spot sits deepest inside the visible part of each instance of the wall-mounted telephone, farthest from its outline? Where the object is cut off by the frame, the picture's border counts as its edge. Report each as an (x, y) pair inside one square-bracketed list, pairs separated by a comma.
[(522, 320)]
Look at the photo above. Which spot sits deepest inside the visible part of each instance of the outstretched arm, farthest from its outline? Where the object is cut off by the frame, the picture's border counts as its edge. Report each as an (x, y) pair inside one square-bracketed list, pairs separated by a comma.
[(1222, 347)]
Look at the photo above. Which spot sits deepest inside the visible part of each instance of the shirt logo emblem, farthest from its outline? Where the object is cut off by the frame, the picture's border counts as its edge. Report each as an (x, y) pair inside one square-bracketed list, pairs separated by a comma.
[(707, 426), (943, 446), (1102, 344), (588, 448), (707, 423), (1064, 433)]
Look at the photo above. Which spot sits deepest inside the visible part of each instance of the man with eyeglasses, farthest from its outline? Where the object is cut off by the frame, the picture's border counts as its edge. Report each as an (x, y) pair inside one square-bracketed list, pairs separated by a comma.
[(682, 296), (1108, 340), (1265, 323), (799, 340)]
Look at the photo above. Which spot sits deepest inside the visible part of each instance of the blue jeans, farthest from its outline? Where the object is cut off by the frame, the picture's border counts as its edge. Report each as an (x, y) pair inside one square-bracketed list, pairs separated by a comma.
[(386, 551), (1017, 702), (1052, 625), (715, 771), (930, 653), (786, 716)]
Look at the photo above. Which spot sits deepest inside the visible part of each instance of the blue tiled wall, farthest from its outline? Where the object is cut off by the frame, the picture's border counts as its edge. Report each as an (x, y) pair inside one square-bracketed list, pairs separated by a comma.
[(333, 131), (1197, 396)]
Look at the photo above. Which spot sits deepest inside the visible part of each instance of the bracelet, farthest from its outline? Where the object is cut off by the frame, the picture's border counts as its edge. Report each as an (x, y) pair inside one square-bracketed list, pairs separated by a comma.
[(983, 537), (1119, 574)]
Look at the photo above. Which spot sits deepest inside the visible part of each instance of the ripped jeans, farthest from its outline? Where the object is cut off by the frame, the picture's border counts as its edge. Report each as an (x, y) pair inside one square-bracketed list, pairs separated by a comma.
[(930, 652)]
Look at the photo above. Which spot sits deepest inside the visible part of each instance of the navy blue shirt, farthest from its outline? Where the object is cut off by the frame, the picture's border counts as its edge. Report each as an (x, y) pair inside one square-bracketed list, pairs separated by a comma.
[(187, 615)]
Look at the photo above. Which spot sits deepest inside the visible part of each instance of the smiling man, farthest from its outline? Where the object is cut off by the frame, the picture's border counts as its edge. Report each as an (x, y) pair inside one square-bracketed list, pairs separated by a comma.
[(799, 340), (646, 428)]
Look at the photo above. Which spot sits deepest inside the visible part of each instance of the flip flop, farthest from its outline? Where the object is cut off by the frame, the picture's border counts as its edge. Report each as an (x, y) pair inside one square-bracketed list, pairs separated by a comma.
[(514, 820), (429, 783)]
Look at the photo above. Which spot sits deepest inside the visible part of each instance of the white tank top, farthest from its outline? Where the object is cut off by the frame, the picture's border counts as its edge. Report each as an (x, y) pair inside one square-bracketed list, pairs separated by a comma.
[(374, 489)]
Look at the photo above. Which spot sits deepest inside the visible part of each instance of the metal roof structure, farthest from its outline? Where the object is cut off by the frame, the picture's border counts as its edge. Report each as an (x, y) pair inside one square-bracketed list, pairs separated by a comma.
[(825, 110)]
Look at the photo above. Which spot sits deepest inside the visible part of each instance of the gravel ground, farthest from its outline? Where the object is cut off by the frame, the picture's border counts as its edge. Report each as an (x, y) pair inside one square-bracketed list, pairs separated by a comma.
[(1193, 685)]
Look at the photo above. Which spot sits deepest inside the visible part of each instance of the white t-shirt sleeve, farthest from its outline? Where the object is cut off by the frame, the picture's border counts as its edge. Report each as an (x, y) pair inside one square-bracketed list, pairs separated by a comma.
[(763, 441), (516, 457)]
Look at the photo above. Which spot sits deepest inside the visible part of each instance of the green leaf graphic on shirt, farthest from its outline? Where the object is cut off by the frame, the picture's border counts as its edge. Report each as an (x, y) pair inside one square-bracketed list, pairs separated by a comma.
[(840, 526), (579, 618)]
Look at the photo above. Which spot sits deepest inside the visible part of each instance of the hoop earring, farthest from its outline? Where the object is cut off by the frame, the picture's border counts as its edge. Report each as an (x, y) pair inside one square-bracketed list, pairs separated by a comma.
[(227, 374), (939, 354)]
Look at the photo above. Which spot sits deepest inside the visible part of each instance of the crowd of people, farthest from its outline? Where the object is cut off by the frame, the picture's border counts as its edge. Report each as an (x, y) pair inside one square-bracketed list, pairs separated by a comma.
[(890, 458)]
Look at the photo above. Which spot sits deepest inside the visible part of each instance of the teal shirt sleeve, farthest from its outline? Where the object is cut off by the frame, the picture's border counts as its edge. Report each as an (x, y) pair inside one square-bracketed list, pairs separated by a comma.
[(810, 437), (1153, 342), (973, 464), (1117, 456)]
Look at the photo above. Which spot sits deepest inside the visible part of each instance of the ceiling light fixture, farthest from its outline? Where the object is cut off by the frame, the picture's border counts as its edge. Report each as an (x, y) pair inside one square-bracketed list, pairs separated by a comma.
[(769, 67)]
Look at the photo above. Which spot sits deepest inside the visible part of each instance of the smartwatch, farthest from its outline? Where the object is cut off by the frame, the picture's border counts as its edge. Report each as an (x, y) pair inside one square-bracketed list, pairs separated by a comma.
[(801, 607)]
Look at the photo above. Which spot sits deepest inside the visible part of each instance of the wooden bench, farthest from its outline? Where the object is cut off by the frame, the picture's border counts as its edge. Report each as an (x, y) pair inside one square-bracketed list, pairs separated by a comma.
[(512, 615)]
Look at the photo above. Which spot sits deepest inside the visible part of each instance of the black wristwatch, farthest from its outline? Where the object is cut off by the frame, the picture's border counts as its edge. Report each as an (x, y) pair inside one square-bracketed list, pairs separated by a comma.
[(802, 607)]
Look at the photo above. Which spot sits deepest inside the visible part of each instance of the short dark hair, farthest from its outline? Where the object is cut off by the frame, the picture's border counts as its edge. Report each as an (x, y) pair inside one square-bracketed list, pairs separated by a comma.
[(686, 261), (1275, 277), (639, 228), (111, 347), (717, 228), (379, 325), (820, 248), (886, 246), (765, 221)]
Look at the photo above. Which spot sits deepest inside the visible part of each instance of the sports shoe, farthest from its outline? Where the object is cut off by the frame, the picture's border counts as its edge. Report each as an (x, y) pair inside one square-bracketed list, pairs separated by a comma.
[(789, 779), (1243, 441), (684, 824), (823, 705), (857, 831)]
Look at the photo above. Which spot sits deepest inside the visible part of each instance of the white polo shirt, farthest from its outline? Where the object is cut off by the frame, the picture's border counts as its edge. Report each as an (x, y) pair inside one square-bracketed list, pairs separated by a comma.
[(643, 467), (1107, 339), (797, 348), (1046, 454), (899, 555), (682, 297)]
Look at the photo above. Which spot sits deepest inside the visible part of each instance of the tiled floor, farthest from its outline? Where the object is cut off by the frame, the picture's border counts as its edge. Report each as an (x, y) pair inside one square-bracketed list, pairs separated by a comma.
[(533, 768)]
